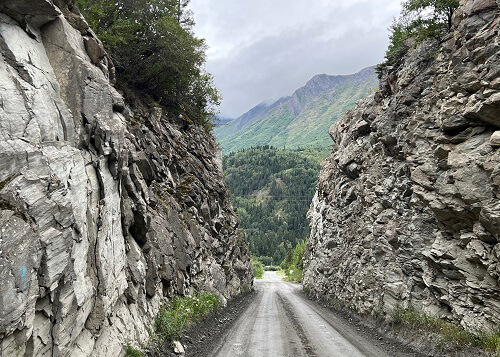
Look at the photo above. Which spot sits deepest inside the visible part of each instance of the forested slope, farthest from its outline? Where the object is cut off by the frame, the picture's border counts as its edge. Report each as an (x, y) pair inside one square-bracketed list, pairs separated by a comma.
[(302, 119), (271, 191)]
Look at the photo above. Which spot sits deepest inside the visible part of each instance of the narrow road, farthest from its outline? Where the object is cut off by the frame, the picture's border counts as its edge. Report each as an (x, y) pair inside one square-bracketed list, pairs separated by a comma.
[(281, 322)]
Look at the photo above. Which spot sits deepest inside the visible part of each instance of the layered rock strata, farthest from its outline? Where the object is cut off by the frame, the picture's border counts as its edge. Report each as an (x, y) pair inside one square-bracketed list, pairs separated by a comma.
[(107, 210), (407, 208)]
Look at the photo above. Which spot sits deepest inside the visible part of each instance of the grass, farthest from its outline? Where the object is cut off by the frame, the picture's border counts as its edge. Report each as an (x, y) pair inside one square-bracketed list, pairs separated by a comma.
[(280, 273), (294, 275), (174, 319), (131, 351), (456, 334)]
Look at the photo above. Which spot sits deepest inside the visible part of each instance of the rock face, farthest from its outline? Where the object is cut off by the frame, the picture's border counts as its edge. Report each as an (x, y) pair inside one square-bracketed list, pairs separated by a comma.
[(407, 208), (107, 209)]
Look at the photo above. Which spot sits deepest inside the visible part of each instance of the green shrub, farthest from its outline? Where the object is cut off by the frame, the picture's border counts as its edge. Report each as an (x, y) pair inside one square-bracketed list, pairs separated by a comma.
[(258, 268), (175, 318), (420, 20), (419, 320), (154, 49), (131, 351), (293, 265)]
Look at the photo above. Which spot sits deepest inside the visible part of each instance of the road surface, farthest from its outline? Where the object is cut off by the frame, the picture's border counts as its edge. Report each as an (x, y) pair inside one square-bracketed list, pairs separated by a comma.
[(282, 322)]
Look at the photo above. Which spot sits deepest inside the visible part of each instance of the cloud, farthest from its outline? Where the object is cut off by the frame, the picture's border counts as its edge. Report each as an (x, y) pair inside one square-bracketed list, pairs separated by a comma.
[(264, 49)]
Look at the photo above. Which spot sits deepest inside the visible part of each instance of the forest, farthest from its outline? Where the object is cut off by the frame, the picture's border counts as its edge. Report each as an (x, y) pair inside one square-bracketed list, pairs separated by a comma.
[(271, 190)]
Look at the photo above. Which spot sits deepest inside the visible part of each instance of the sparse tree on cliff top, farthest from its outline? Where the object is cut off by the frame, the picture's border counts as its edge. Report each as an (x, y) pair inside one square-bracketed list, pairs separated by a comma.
[(420, 20), (438, 11)]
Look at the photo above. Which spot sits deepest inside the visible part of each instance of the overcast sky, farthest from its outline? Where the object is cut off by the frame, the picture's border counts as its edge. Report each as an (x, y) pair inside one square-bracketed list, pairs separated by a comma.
[(265, 49)]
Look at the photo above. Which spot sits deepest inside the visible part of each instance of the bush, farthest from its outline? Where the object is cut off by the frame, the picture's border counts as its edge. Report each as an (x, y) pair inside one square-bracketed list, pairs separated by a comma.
[(420, 20), (293, 264), (153, 47), (258, 268), (419, 320), (174, 319)]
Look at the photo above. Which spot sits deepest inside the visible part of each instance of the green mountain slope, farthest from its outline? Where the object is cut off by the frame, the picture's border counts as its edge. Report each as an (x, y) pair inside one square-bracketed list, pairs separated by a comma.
[(301, 120), (271, 191)]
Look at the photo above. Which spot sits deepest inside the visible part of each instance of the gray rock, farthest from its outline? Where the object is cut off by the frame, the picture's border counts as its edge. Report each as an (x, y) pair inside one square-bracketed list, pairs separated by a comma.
[(406, 214), (495, 139), (178, 348), (97, 228), (454, 123)]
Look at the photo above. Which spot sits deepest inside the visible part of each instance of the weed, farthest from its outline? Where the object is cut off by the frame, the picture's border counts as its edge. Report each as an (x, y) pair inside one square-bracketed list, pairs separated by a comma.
[(131, 351), (456, 334), (174, 319)]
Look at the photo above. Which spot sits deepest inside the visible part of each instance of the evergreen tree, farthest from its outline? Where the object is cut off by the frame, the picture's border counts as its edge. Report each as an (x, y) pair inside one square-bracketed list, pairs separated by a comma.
[(272, 190)]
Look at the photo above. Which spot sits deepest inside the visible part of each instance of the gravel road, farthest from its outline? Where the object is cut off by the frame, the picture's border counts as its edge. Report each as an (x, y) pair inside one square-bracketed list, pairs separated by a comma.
[(280, 321)]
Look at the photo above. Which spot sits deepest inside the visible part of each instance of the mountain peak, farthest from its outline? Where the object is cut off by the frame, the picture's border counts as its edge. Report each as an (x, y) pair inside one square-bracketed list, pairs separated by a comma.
[(301, 119)]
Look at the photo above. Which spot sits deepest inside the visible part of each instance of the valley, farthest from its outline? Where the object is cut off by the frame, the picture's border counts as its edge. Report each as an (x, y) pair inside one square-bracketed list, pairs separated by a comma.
[(357, 217), (271, 190)]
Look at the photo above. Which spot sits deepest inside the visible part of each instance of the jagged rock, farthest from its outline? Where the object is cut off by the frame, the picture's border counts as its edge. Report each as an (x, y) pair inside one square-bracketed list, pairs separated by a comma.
[(454, 124), (409, 213), (102, 218), (495, 139)]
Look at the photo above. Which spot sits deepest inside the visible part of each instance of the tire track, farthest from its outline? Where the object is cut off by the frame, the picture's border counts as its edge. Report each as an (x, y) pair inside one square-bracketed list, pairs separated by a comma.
[(306, 344)]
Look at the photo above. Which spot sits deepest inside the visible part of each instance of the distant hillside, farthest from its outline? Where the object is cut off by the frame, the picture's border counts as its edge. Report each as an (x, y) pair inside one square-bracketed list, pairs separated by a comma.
[(302, 119), (271, 191), (222, 120)]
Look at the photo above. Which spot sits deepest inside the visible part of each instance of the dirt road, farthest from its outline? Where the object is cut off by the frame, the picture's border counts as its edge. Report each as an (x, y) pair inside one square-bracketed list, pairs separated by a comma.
[(282, 322)]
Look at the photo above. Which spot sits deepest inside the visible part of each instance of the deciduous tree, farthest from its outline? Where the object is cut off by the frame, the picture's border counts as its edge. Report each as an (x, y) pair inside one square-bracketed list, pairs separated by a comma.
[(155, 50)]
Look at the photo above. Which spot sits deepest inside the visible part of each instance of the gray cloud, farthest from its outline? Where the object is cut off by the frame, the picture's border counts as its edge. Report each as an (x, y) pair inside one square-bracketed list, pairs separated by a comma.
[(265, 49)]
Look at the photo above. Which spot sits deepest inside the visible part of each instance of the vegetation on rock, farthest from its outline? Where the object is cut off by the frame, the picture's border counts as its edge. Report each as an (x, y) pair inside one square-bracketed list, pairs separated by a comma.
[(154, 50), (272, 190), (174, 319), (412, 318), (420, 20)]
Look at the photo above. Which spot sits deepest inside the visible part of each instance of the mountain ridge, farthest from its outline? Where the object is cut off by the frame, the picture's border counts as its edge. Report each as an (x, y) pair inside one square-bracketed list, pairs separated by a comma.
[(314, 106)]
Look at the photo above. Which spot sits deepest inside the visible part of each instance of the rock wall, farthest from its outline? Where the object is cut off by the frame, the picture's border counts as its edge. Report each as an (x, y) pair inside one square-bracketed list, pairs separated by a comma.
[(107, 209), (407, 207)]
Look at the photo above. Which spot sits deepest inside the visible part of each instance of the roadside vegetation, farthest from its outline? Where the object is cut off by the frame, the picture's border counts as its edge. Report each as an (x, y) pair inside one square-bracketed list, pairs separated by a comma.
[(420, 20), (293, 264), (413, 319), (155, 52), (173, 320), (258, 268)]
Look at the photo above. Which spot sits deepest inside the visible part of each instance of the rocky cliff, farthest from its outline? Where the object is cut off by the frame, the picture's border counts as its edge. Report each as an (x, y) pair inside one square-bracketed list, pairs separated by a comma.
[(407, 209), (107, 208)]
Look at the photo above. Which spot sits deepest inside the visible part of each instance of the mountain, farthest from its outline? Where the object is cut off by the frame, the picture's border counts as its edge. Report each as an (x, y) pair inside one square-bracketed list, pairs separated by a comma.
[(222, 120), (302, 119), (271, 190)]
